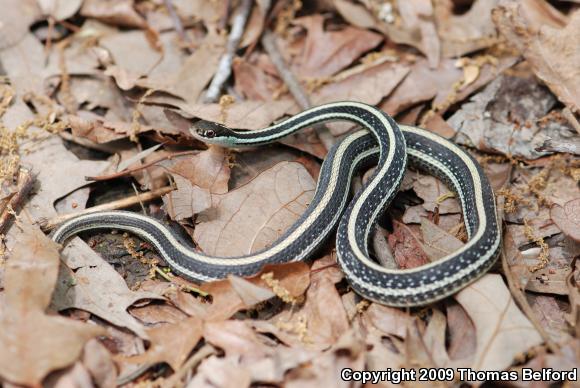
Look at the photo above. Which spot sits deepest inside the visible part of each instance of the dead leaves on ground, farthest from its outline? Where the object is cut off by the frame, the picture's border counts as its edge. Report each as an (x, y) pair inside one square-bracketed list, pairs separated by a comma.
[(114, 78), (29, 334)]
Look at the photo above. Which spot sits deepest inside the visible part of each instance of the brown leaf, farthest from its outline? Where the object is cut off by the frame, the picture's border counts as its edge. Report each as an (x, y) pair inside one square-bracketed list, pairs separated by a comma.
[(322, 320), (34, 343), (431, 190), (388, 320), (114, 12), (253, 82), (368, 86), (468, 32), (462, 333), (406, 246), (96, 287), (438, 243), (231, 295), (503, 332), (513, 123), (424, 83), (245, 114), (552, 51), (171, 343), (418, 18), (98, 361), (253, 216), (208, 169), (58, 9), (15, 19), (567, 218), (326, 52)]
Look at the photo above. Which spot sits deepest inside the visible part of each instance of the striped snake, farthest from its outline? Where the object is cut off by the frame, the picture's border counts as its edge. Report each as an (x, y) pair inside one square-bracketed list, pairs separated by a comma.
[(381, 141)]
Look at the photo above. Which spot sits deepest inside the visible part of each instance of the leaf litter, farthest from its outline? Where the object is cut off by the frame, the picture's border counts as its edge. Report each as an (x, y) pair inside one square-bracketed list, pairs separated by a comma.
[(92, 88)]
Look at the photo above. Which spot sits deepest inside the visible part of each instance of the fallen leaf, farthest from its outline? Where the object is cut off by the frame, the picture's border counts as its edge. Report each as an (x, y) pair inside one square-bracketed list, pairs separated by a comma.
[(417, 17), (567, 218), (56, 341), (221, 372), (233, 294), (502, 331), (513, 122), (322, 320), (59, 10), (468, 32), (249, 218), (96, 287), (15, 21), (408, 250), (388, 320), (437, 242), (550, 50), (98, 361), (368, 86), (171, 343), (326, 52), (244, 115), (550, 314), (431, 190), (114, 12), (462, 335)]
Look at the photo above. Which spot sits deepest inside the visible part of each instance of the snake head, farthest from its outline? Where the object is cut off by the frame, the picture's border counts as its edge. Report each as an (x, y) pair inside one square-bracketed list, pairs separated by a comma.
[(212, 133)]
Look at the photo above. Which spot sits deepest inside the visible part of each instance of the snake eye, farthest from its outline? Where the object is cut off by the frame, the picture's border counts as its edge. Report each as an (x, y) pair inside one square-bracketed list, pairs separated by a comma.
[(209, 133)]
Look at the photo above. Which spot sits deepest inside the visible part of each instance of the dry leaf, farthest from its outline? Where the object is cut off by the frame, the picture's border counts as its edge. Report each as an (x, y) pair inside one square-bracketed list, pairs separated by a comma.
[(468, 32), (114, 12), (326, 52), (508, 117), (368, 86), (15, 19), (34, 343), (245, 114), (253, 216), (567, 218), (408, 250), (432, 191), (551, 51), (502, 331), (96, 287), (171, 343)]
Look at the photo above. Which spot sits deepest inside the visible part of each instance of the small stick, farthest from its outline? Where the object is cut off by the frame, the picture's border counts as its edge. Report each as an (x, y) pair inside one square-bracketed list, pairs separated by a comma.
[(225, 66), (177, 24), (141, 167), (25, 183), (47, 225), (302, 99)]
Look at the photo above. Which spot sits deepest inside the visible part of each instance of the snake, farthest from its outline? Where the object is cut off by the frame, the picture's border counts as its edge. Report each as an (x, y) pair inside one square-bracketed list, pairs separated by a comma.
[(380, 142)]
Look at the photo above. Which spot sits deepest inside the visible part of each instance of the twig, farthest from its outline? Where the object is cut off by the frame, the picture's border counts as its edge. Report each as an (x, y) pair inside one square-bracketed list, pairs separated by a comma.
[(302, 99), (225, 66), (177, 24), (119, 204), (25, 183), (141, 167)]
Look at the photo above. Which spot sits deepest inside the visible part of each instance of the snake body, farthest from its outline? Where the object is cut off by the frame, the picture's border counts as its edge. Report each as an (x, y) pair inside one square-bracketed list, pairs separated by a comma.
[(381, 141)]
